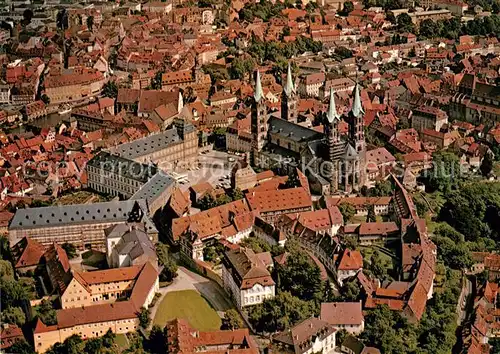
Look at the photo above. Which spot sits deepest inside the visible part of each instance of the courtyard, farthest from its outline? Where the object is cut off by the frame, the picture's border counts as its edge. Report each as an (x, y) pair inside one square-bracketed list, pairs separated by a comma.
[(189, 305)]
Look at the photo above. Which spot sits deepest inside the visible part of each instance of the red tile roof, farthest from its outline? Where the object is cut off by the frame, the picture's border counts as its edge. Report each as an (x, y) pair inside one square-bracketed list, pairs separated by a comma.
[(351, 260), (279, 200), (342, 313)]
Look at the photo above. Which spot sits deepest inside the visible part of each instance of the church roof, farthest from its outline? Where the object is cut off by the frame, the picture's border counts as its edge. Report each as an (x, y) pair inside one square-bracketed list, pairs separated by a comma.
[(292, 131)]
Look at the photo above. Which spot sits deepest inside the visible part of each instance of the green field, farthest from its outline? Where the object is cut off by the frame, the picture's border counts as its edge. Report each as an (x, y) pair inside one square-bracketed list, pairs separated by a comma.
[(187, 304), (121, 341)]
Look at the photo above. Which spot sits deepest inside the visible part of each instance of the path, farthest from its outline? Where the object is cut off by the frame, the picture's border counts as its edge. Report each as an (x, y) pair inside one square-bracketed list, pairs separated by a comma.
[(188, 280), (462, 305)]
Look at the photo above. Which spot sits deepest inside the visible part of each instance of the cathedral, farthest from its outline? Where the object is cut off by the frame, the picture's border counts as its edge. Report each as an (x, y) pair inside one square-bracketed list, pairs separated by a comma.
[(331, 162)]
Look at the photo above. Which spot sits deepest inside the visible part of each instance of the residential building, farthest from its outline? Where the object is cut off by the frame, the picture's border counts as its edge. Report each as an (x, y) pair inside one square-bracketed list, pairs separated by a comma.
[(309, 336), (426, 117), (245, 276), (344, 315), (309, 85), (4, 93), (182, 338), (9, 334), (351, 262), (238, 136), (73, 84)]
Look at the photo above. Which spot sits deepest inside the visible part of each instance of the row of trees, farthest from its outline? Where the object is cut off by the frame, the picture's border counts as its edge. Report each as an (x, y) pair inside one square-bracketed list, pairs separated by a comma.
[(451, 28), (208, 201)]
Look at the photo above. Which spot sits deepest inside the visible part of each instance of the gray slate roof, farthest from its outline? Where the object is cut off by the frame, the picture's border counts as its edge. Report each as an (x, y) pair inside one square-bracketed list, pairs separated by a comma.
[(154, 188), (292, 131), (52, 216), (123, 167), (135, 243), (148, 145)]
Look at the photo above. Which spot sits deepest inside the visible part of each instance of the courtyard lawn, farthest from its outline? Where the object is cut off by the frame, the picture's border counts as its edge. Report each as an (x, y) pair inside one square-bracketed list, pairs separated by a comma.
[(122, 342), (190, 305)]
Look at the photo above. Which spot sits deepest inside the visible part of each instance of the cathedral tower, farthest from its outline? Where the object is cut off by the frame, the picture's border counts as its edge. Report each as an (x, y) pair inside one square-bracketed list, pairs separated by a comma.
[(289, 99), (258, 120), (357, 135), (333, 137)]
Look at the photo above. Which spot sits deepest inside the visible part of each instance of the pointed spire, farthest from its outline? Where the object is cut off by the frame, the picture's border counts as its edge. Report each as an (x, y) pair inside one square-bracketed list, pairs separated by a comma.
[(180, 103), (289, 87), (332, 113), (357, 107), (258, 88)]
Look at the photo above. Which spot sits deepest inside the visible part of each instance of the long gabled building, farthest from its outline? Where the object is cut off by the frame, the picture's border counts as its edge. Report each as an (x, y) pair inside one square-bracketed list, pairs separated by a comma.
[(96, 302), (82, 225)]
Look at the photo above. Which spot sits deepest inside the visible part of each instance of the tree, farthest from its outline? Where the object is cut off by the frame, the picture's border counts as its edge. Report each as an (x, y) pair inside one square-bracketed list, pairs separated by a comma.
[(13, 315), (370, 216), (45, 99), (486, 164), (377, 266), (381, 189), (6, 270), (428, 29), (13, 293), (301, 277), (388, 331), (110, 89), (445, 172), (256, 244), (329, 295), (348, 7), (21, 347), (157, 342), (350, 290), (144, 319), (232, 320), (405, 23), (207, 202), (473, 211), (237, 194), (62, 19), (343, 52), (169, 271), (70, 249), (5, 248), (348, 211), (156, 82), (90, 23), (280, 312), (93, 345), (46, 313)]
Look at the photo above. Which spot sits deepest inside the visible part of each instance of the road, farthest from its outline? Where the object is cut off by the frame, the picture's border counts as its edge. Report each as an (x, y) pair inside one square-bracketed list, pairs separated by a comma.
[(210, 290)]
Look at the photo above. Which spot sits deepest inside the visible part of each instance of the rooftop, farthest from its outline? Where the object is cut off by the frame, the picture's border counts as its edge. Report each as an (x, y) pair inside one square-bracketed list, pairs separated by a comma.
[(53, 216)]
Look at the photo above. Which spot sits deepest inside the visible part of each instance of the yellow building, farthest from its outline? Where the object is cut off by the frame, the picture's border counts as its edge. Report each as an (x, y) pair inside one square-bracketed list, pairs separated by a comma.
[(90, 306)]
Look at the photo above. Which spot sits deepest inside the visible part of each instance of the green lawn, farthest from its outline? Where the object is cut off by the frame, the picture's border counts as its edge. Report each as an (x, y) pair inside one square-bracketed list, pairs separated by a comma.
[(121, 341), (190, 305)]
